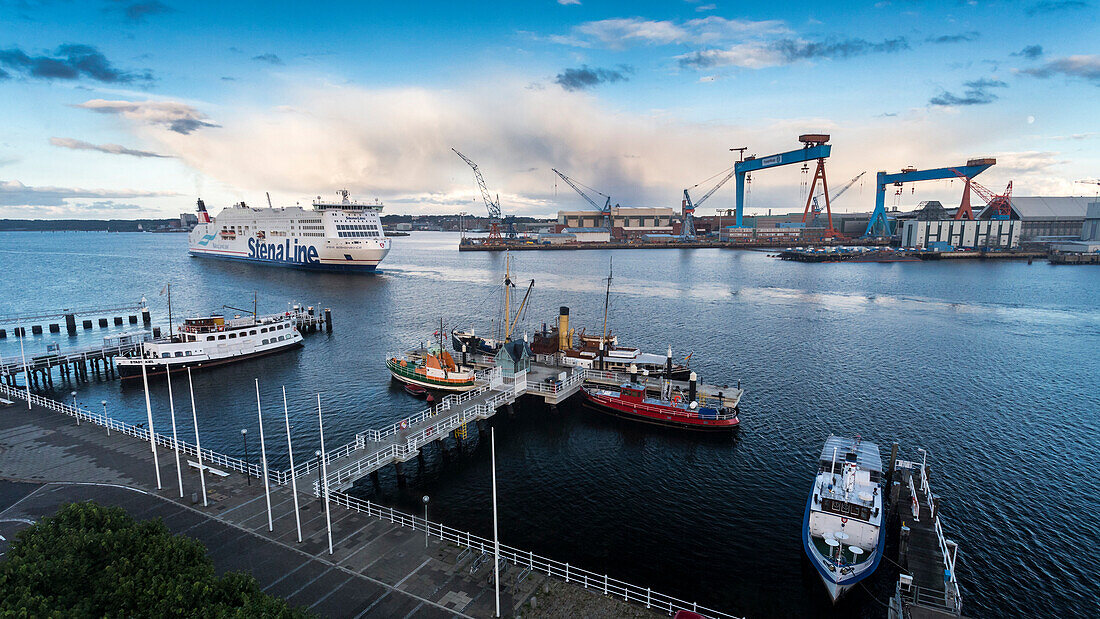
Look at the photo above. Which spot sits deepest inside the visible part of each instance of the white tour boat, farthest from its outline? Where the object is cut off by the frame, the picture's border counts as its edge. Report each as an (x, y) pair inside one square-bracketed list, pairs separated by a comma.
[(213, 340), (843, 530)]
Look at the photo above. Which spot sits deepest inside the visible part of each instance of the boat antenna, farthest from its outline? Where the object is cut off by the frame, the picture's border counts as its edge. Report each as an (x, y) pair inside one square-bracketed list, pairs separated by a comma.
[(255, 302), (269, 199), (507, 297)]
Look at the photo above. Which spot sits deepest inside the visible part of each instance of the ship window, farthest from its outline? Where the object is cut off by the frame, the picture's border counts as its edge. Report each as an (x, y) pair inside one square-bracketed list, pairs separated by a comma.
[(209, 337), (188, 353), (164, 355), (252, 332), (232, 336), (221, 337), (179, 353), (264, 330)]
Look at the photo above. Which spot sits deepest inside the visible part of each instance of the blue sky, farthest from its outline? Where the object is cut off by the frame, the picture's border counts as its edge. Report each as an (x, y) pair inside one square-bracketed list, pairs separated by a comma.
[(123, 108)]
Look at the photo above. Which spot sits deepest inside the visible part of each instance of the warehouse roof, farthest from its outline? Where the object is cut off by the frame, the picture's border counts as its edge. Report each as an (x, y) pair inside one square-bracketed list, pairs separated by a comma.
[(1050, 208)]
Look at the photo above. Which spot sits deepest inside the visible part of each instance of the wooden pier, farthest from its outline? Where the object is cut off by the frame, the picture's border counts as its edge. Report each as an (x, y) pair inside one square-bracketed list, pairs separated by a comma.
[(928, 587)]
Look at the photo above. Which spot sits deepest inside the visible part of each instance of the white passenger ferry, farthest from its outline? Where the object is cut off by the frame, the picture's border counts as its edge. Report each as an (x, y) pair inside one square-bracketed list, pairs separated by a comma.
[(210, 341), (842, 531), (342, 235)]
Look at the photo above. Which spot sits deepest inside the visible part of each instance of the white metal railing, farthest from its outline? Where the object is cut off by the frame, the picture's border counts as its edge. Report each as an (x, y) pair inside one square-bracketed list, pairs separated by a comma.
[(208, 456), (555, 386), (950, 596), (550, 567), (15, 365), (529, 560)]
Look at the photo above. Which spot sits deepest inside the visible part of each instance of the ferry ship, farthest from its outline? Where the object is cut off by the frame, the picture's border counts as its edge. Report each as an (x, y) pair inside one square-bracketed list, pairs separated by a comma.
[(842, 530), (341, 235), (211, 341)]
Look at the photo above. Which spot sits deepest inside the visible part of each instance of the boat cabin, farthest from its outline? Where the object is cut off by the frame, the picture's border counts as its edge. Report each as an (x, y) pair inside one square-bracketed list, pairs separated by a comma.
[(514, 358), (207, 324)]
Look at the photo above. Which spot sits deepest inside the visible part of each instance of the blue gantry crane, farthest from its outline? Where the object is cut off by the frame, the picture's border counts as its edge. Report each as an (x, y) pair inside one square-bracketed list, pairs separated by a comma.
[(879, 225), (814, 147)]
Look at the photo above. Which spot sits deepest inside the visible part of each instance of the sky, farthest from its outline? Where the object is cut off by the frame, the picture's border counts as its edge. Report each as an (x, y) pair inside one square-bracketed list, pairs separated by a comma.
[(135, 108)]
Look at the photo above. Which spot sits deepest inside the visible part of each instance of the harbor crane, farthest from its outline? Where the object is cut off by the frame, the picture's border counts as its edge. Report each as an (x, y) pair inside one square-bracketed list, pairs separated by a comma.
[(688, 231), (493, 206), (879, 225), (605, 210), (814, 147), (999, 206), (840, 192)]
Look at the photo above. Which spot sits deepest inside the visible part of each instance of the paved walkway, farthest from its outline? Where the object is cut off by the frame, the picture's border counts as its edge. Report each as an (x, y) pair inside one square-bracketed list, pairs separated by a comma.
[(377, 569)]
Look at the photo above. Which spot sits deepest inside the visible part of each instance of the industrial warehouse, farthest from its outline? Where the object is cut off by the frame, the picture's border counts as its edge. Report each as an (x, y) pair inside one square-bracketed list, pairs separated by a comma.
[(1001, 222)]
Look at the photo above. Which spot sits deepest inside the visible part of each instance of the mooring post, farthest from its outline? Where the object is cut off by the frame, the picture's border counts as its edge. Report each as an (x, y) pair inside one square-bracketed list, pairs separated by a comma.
[(328, 320)]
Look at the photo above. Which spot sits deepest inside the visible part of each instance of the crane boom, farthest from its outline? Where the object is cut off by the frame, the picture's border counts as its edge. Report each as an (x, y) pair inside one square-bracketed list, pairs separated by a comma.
[(605, 209), (490, 205)]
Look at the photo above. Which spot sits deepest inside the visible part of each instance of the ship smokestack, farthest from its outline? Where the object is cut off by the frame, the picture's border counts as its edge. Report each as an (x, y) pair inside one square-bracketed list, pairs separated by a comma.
[(668, 364), (563, 329), (633, 372), (692, 378), (204, 217)]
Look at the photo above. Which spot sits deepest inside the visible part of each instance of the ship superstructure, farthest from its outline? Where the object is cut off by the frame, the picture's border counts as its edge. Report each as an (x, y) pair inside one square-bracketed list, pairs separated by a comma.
[(340, 235)]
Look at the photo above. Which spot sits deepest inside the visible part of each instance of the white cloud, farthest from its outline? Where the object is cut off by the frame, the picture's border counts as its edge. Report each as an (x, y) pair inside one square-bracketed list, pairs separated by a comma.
[(179, 117), (111, 149), (15, 193), (395, 144), (620, 33), (569, 2)]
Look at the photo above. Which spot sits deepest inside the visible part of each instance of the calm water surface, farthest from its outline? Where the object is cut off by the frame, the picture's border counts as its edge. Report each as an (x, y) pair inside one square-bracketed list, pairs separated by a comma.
[(992, 368)]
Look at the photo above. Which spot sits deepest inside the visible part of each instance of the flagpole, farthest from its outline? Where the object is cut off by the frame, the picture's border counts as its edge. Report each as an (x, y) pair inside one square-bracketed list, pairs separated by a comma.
[(198, 446), (149, 415), (496, 538), (175, 441), (293, 479), (263, 457), (324, 474), (26, 370)]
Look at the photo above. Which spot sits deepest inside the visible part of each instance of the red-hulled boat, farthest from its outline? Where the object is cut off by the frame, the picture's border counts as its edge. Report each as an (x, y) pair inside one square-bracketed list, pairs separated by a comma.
[(631, 402)]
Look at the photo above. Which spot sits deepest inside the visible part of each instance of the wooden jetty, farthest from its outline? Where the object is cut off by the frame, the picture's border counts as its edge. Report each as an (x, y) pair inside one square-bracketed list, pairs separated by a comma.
[(928, 587)]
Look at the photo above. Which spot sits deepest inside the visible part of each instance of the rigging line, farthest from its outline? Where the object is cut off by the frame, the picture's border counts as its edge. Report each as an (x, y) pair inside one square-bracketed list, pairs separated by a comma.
[(726, 171), (871, 595)]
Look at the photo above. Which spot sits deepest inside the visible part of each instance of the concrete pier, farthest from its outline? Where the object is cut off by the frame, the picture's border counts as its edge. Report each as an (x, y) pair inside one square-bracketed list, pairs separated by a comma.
[(378, 568)]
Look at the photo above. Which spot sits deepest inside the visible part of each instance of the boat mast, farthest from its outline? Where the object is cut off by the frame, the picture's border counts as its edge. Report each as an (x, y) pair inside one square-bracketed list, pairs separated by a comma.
[(606, 302), (171, 334), (254, 293), (507, 298)]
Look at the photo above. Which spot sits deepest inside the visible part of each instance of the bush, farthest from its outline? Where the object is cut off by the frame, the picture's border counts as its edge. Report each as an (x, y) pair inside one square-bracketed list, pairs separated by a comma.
[(90, 560)]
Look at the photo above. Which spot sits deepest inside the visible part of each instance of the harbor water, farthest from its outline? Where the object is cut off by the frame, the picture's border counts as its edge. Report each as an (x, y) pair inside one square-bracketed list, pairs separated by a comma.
[(991, 367)]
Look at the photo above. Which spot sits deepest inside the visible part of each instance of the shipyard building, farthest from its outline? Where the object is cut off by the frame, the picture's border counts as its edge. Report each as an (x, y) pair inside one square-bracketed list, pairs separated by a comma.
[(627, 222)]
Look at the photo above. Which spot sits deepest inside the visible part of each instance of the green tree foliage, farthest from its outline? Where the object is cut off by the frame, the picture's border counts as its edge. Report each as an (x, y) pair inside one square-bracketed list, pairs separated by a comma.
[(93, 561)]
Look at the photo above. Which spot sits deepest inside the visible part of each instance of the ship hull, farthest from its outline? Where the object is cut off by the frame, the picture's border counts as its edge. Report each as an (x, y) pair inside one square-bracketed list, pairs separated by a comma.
[(837, 586), (411, 378), (628, 410), (352, 266), (130, 371)]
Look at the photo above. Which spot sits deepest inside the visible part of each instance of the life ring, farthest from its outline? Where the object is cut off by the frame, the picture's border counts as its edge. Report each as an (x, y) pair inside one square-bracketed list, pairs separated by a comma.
[(221, 328), (843, 520), (677, 398), (404, 424)]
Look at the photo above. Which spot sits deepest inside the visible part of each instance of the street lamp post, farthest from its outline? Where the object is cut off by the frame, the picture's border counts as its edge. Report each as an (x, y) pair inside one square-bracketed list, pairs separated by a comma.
[(320, 490), (425, 499), (244, 439), (74, 408), (105, 422)]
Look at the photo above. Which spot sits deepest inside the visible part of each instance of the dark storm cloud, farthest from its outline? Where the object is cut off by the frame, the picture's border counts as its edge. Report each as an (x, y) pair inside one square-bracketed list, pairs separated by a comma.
[(269, 59), (845, 48), (1031, 52), (1084, 67), (68, 62), (954, 38), (977, 92), (1054, 6), (586, 77)]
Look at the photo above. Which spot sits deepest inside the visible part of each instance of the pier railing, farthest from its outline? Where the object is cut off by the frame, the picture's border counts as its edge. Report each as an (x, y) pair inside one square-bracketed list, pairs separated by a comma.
[(209, 457), (527, 559), (522, 558), (557, 386), (949, 597), (14, 365)]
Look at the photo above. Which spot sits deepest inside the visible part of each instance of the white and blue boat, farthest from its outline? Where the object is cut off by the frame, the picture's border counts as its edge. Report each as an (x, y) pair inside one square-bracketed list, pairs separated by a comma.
[(340, 235), (843, 530)]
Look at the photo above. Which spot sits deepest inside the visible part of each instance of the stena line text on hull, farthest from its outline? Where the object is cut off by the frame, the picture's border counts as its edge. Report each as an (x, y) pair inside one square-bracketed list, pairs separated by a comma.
[(340, 235)]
